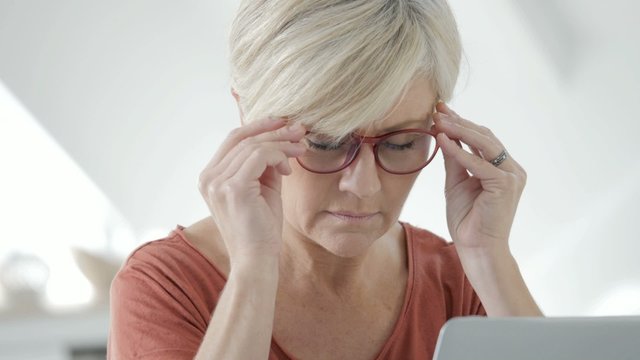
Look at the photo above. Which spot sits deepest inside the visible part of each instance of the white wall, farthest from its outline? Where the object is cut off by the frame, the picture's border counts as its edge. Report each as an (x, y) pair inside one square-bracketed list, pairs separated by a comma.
[(137, 94)]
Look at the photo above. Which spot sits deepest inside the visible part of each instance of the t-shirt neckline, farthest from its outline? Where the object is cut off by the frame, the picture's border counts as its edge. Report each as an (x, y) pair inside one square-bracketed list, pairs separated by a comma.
[(407, 294)]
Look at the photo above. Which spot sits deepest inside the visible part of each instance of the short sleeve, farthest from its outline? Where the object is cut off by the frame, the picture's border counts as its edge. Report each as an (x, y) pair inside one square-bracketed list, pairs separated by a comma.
[(149, 319)]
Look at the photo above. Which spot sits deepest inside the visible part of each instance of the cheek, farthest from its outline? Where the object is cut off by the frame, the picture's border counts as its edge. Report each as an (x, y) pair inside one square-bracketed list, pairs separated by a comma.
[(305, 193), (396, 190), (302, 191)]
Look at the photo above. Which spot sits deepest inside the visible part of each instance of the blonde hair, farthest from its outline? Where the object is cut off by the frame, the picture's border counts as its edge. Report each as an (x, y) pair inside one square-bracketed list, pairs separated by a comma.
[(337, 65)]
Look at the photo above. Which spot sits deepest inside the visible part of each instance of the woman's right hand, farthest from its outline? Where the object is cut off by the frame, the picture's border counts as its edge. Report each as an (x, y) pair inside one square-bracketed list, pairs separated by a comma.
[(242, 186)]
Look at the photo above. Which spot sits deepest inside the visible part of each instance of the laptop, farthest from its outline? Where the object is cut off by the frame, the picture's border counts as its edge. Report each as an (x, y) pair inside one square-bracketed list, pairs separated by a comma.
[(526, 338)]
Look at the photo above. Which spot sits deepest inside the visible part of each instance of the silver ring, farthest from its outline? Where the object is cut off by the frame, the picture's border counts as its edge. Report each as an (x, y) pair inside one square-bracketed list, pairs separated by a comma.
[(499, 159)]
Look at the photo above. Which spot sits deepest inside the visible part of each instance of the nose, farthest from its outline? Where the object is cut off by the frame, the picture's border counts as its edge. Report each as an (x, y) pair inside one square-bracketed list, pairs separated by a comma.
[(361, 176)]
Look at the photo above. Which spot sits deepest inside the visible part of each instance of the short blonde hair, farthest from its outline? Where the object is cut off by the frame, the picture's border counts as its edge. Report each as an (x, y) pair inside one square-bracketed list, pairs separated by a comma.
[(336, 65)]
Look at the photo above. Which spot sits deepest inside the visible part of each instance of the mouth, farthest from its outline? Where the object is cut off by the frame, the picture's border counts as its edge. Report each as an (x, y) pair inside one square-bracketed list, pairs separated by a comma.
[(353, 217)]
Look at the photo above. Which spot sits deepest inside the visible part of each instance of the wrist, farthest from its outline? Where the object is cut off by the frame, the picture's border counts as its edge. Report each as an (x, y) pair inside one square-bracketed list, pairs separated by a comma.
[(487, 265), (254, 267), (495, 276), (484, 254)]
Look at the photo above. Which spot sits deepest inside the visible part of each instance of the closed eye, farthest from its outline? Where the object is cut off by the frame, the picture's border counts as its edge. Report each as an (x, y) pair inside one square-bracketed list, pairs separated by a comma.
[(399, 147)]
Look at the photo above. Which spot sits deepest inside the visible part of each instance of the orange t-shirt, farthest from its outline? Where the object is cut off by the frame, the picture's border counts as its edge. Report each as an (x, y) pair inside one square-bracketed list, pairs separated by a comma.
[(163, 297)]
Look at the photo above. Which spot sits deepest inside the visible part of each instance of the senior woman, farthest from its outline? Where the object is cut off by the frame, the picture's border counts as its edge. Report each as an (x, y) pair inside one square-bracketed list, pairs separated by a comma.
[(303, 256)]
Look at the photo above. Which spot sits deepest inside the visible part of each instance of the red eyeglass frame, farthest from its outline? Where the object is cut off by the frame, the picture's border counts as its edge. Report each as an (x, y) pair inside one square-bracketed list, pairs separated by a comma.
[(375, 140)]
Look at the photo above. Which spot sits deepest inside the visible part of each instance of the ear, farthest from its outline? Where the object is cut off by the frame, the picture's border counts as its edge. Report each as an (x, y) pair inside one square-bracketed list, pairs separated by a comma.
[(237, 97)]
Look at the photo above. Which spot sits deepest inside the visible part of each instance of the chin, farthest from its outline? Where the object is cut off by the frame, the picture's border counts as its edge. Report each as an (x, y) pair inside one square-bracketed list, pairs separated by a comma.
[(348, 240)]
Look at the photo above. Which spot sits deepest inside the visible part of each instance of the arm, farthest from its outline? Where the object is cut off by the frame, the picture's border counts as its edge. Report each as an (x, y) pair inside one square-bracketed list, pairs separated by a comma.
[(242, 323), (153, 315), (482, 197), (242, 188)]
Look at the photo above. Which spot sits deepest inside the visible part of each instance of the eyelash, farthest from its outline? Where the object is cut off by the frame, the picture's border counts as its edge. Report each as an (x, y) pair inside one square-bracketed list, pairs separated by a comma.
[(323, 146), (406, 146), (326, 147)]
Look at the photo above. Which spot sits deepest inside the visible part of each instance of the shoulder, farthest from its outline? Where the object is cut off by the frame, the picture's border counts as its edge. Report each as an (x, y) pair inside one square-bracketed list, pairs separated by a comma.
[(438, 274), (434, 257), (169, 266), (156, 252), (429, 247), (168, 255), (161, 300)]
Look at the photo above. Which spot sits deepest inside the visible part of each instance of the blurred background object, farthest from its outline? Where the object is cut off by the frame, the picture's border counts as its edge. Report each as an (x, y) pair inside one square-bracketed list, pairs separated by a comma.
[(110, 110), (24, 278), (99, 270)]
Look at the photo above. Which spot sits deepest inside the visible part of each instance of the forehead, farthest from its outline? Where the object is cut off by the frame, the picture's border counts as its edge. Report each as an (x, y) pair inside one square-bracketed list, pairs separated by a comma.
[(413, 110)]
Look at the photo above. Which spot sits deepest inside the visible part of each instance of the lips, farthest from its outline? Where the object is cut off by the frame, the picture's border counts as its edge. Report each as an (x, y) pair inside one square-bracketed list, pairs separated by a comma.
[(352, 217), (353, 214)]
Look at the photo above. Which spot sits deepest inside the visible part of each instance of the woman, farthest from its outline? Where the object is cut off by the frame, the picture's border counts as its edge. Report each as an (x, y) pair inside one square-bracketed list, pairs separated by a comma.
[(303, 255)]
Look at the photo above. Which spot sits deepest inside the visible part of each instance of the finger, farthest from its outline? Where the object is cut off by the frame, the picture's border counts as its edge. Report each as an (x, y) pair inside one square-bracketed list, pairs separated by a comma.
[(474, 164), (455, 173), (294, 132), (435, 130), (271, 165), (240, 133), (487, 147), (239, 155), (282, 134), (444, 108), (475, 151), (455, 118), (272, 179), (258, 162)]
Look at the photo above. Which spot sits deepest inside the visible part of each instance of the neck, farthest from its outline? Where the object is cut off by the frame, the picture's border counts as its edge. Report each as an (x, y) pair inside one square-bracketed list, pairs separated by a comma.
[(307, 267)]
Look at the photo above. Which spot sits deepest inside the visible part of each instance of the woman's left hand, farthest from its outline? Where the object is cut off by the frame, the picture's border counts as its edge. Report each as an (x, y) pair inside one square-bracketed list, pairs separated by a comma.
[(481, 198)]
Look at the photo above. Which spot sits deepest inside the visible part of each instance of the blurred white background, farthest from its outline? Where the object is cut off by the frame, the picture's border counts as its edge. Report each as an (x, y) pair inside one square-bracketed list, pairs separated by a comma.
[(110, 110)]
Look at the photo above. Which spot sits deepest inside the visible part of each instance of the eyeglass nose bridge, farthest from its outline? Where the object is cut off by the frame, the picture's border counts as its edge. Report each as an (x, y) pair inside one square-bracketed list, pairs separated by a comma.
[(360, 140)]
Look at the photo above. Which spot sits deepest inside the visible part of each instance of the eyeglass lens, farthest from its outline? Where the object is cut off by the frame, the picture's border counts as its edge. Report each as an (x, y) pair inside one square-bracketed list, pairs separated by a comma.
[(402, 152)]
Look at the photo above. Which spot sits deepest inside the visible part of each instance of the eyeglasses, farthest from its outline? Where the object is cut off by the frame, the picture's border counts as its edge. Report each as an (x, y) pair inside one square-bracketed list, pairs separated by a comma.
[(398, 152)]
